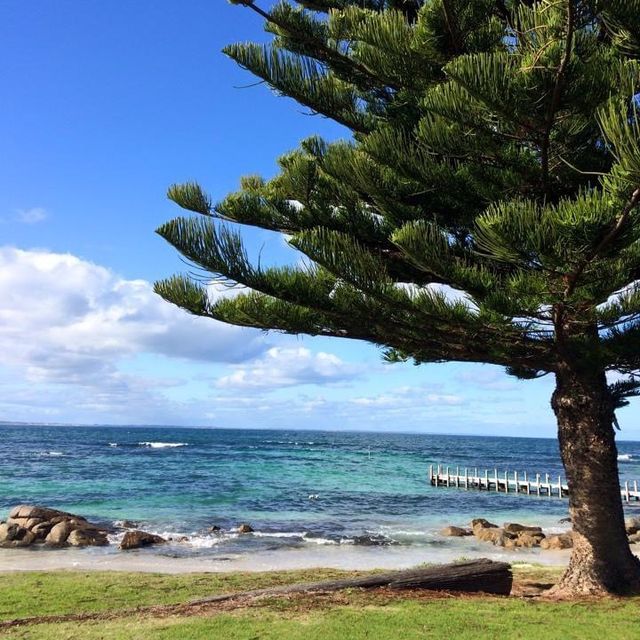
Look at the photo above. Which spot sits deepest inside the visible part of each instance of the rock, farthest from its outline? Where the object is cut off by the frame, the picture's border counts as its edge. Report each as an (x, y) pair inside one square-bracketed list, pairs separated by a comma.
[(87, 538), (634, 538), (8, 531), (127, 524), (456, 532), (556, 542), (136, 539), (59, 533), (214, 529), (632, 524), (494, 535), (481, 523), (41, 531), (245, 528), (529, 539), (513, 527), (27, 512), (32, 523), (374, 540), (13, 535), (564, 520)]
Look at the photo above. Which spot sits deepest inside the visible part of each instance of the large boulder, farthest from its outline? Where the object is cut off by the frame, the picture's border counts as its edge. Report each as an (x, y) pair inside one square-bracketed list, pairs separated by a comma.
[(456, 532), (59, 533), (245, 528), (27, 511), (87, 538), (514, 527), (494, 535), (137, 539), (557, 542), (32, 523), (529, 539), (13, 535), (634, 538), (481, 523), (632, 524), (41, 531)]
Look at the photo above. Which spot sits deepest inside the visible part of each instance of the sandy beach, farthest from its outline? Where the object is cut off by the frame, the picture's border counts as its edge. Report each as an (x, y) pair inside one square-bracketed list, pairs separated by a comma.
[(364, 558)]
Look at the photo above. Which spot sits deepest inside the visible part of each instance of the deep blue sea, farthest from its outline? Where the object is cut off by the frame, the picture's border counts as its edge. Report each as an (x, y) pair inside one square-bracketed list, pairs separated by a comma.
[(297, 489)]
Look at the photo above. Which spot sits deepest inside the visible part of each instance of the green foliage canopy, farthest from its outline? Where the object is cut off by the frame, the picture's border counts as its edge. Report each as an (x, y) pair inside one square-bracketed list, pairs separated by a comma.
[(485, 207)]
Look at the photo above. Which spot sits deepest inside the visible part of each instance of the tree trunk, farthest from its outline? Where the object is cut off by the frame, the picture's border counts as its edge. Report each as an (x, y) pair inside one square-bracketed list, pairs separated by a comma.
[(484, 576), (601, 561)]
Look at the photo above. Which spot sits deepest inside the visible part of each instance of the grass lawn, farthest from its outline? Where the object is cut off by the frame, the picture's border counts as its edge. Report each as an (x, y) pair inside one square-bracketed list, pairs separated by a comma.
[(345, 615)]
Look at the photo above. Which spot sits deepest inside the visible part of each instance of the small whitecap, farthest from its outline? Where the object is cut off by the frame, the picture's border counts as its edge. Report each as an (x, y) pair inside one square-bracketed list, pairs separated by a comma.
[(162, 445)]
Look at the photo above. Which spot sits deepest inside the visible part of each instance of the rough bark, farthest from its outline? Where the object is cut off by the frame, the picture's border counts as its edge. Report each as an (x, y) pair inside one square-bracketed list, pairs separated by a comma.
[(601, 561), (482, 575)]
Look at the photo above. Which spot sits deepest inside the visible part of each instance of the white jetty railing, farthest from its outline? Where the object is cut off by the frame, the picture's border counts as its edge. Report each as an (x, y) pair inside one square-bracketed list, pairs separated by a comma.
[(512, 482)]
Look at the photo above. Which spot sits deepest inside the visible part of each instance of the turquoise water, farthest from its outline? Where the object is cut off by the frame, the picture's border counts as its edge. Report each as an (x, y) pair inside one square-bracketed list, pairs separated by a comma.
[(295, 488)]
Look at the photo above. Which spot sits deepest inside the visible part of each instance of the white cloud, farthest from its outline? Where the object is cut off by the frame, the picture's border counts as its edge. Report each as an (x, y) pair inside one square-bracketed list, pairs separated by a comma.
[(31, 216), (66, 320), (284, 367), (412, 397)]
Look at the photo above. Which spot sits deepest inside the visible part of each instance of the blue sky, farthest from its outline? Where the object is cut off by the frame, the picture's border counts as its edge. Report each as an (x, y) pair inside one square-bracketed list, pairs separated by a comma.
[(104, 105)]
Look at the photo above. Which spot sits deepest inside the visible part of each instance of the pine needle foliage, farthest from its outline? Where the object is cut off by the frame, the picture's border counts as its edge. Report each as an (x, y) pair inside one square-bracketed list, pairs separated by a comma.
[(483, 205)]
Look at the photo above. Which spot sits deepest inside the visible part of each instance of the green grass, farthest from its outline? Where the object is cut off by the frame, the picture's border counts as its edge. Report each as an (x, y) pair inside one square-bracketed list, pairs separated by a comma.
[(346, 616), (25, 594)]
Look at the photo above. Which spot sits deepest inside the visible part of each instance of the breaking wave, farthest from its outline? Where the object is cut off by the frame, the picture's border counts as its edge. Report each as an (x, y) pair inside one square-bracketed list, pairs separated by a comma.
[(162, 445)]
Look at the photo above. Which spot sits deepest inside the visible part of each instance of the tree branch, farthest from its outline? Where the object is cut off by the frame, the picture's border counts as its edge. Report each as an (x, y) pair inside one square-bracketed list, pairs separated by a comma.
[(373, 80), (609, 237), (555, 98)]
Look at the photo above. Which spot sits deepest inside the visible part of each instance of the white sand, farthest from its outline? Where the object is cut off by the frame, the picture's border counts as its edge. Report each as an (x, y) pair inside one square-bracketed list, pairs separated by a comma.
[(339, 557)]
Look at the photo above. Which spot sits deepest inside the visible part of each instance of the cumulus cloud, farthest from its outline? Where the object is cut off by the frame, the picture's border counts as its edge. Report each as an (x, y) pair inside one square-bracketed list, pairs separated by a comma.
[(285, 367), (412, 397), (32, 216), (66, 320)]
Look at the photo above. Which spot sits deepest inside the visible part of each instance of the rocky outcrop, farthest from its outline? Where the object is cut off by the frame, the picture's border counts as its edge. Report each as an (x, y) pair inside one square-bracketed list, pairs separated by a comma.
[(632, 525), (495, 535), (634, 538), (481, 523), (511, 535), (514, 527), (245, 528), (557, 542), (529, 539), (87, 538), (456, 532), (137, 539), (33, 524), (13, 535)]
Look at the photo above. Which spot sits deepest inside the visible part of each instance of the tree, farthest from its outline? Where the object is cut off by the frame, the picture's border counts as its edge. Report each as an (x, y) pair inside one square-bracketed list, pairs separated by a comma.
[(484, 209)]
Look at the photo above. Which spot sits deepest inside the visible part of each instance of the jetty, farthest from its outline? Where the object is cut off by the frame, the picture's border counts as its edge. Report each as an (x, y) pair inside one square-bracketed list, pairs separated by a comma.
[(512, 482)]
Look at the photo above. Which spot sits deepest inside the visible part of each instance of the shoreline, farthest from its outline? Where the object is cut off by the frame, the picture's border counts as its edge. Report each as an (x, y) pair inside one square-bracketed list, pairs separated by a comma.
[(365, 558)]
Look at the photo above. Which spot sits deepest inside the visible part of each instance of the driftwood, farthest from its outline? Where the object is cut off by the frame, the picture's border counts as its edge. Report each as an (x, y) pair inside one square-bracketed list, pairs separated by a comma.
[(481, 575)]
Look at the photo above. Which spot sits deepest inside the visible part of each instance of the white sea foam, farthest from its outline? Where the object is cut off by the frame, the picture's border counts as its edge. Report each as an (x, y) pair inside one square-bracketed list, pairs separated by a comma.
[(284, 534), (321, 541), (162, 445), (51, 454), (625, 457), (113, 444)]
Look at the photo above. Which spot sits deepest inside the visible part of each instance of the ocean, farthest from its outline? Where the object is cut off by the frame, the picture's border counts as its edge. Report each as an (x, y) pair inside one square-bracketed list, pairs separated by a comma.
[(319, 497)]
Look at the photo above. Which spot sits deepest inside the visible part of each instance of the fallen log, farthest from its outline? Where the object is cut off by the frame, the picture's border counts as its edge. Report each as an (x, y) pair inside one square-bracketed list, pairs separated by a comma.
[(481, 575)]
